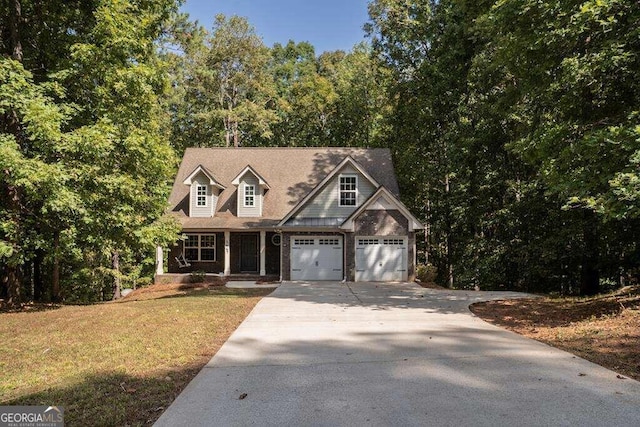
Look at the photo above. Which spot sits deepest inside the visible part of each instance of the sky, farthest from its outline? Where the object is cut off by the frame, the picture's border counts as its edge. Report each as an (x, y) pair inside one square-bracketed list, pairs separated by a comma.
[(327, 24)]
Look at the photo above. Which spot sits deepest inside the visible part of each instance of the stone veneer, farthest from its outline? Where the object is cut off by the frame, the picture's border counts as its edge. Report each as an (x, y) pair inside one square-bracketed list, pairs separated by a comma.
[(381, 223)]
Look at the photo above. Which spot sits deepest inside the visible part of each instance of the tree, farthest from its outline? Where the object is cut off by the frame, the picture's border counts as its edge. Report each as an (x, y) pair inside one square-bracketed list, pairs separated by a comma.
[(85, 163), (570, 67), (36, 192), (336, 99), (228, 86), (360, 81), (305, 98), (123, 159), (427, 48), (178, 45), (515, 125)]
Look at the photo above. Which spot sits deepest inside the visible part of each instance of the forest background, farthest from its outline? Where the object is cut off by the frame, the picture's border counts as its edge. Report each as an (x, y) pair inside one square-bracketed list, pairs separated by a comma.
[(514, 127)]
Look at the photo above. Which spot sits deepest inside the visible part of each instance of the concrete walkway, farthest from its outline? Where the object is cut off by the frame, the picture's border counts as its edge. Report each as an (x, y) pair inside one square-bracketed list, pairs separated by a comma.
[(332, 354), (250, 284)]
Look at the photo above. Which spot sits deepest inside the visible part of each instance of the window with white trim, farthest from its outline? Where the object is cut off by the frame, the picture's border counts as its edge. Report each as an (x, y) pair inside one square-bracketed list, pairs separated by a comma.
[(200, 247), (201, 195), (348, 190), (249, 195)]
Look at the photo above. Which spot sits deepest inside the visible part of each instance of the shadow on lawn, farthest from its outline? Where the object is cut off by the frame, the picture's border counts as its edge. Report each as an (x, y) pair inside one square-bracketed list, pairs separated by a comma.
[(111, 399), (32, 307), (181, 291)]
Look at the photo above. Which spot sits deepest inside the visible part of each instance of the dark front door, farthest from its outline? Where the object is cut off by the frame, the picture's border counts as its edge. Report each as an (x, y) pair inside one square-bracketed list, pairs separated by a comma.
[(249, 253)]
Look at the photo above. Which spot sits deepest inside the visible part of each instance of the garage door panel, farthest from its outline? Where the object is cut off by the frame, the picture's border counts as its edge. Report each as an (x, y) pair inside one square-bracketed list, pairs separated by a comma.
[(316, 258), (381, 259)]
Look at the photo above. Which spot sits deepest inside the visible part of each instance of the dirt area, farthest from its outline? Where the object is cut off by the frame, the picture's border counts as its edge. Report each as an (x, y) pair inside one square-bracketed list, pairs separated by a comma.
[(429, 285), (604, 329)]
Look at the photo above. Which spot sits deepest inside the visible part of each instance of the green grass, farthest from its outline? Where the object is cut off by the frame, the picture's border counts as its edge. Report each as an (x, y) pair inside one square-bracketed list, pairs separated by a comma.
[(116, 363)]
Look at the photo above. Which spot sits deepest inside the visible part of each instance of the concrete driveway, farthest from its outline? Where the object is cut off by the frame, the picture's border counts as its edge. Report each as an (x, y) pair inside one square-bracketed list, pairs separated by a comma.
[(331, 354)]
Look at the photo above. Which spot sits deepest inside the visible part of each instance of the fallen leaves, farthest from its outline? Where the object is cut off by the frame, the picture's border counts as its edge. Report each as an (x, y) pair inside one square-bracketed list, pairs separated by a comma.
[(604, 329)]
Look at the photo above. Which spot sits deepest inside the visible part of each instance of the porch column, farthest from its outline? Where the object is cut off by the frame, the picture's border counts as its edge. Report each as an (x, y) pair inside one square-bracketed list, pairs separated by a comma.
[(159, 260), (263, 253), (227, 253)]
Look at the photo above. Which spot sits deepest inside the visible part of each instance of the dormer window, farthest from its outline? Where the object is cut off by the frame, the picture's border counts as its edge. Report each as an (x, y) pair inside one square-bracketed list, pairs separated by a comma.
[(348, 190), (204, 191), (201, 195), (249, 195)]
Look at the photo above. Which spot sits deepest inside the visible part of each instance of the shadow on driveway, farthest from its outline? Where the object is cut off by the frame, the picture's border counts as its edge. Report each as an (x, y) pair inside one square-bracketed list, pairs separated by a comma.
[(394, 354)]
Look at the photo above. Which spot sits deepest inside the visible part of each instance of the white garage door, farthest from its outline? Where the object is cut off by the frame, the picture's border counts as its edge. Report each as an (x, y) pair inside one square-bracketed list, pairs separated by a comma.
[(316, 258), (381, 259)]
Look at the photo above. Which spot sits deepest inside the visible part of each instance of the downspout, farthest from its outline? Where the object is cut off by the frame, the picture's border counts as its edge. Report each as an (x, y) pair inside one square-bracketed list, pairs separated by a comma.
[(279, 231)]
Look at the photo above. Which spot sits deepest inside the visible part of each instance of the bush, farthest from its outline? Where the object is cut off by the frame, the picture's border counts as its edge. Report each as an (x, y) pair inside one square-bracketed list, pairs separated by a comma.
[(143, 282), (426, 273), (197, 276)]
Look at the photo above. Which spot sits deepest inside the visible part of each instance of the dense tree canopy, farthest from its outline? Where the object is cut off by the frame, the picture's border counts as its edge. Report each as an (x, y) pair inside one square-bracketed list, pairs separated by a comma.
[(514, 126), (231, 90), (85, 163), (527, 124)]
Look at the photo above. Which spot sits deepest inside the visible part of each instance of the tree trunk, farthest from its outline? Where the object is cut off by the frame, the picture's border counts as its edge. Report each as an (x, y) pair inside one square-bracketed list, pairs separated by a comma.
[(13, 286), (15, 19), (38, 282), (227, 131), (115, 262), (236, 140), (450, 279), (427, 232), (10, 194), (589, 272), (55, 275), (11, 199)]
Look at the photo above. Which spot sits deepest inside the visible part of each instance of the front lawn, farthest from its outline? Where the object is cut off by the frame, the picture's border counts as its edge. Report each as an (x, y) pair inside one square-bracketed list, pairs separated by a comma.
[(116, 363), (604, 329)]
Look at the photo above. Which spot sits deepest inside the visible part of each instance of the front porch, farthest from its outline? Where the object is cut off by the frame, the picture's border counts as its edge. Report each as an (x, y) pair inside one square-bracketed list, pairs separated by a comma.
[(220, 254)]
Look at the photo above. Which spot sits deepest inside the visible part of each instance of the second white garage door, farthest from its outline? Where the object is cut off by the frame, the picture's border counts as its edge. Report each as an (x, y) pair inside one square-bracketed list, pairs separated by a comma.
[(381, 259), (316, 258)]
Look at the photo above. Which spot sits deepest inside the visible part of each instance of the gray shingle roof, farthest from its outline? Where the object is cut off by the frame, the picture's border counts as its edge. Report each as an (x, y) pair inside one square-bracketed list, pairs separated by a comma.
[(291, 173)]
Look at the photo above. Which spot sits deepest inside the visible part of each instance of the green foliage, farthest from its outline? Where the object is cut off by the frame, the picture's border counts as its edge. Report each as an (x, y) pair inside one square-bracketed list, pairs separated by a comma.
[(515, 132), (36, 187), (230, 89), (86, 161), (578, 107), (426, 273), (514, 126), (224, 96)]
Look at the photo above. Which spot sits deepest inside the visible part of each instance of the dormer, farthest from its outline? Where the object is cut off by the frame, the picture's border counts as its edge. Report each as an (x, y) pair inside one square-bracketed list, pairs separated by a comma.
[(204, 193), (251, 188)]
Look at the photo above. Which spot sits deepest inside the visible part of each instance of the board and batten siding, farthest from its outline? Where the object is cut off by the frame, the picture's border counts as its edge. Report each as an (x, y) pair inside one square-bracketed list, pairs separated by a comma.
[(212, 198), (253, 211), (326, 204)]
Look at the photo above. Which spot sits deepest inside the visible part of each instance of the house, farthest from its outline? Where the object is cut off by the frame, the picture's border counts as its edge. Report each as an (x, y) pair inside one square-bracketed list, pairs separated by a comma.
[(292, 213)]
